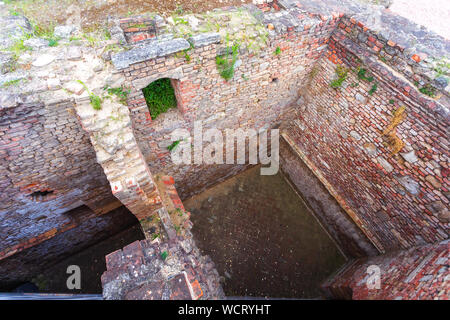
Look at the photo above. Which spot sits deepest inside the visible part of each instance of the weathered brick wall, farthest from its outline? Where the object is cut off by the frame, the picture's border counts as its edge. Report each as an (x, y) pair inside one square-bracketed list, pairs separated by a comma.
[(44, 149), (350, 239), (421, 273), (259, 96), (27, 264), (399, 200), (166, 267)]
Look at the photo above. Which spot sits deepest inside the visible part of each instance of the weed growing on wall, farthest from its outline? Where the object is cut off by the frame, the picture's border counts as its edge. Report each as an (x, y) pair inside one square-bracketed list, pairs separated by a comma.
[(96, 101), (173, 145), (225, 63), (426, 89), (362, 75), (120, 93), (159, 96), (341, 73)]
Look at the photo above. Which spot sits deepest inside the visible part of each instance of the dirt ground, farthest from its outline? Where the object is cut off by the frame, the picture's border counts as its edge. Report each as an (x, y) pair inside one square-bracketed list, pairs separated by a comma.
[(262, 238), (93, 13)]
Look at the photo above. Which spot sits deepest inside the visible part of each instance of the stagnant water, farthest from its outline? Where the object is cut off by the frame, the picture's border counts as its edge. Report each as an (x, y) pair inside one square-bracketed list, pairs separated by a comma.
[(262, 237)]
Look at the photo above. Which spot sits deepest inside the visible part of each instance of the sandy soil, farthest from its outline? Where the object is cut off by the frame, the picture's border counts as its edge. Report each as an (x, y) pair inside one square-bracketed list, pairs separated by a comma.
[(433, 14)]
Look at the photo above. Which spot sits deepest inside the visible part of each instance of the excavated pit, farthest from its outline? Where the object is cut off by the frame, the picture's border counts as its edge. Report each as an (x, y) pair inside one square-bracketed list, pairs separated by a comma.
[(264, 240)]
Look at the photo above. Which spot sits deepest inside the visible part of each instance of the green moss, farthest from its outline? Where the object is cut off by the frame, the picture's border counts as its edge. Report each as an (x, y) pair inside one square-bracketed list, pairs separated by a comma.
[(164, 255), (159, 96), (277, 51)]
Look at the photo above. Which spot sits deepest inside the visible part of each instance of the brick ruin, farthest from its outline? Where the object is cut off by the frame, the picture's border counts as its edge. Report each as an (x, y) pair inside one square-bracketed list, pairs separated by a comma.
[(369, 156)]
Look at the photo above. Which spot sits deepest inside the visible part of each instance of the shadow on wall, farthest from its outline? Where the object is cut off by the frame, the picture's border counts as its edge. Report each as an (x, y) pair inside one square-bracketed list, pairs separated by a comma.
[(25, 265)]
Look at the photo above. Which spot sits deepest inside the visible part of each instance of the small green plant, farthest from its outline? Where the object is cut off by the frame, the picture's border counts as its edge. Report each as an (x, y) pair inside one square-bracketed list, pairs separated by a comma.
[(362, 75), (225, 63), (52, 42), (173, 145), (342, 73), (120, 93), (18, 48), (179, 20), (164, 255), (106, 34), (354, 84), (186, 55), (391, 101), (13, 12), (47, 33), (428, 90), (179, 9), (159, 96), (155, 235), (373, 89), (277, 51), (442, 68), (96, 101)]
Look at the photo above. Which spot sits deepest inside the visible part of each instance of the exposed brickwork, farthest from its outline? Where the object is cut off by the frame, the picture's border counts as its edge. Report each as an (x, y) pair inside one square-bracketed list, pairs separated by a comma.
[(43, 148), (117, 152), (170, 269), (326, 209), (421, 273), (397, 200), (140, 28), (258, 96)]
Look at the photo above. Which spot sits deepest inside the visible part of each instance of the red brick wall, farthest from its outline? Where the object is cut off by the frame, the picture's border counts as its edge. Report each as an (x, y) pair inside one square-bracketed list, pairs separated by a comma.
[(340, 132), (259, 96), (420, 273), (43, 148)]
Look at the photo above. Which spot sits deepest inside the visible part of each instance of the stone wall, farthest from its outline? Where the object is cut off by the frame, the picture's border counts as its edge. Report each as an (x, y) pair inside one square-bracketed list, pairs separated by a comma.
[(165, 267), (420, 273), (27, 264), (344, 135), (259, 96), (350, 239), (48, 168), (397, 197)]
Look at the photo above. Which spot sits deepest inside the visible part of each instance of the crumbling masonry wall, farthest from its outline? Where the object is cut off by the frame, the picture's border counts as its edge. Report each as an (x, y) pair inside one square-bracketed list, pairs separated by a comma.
[(259, 96), (398, 199), (420, 273), (43, 149)]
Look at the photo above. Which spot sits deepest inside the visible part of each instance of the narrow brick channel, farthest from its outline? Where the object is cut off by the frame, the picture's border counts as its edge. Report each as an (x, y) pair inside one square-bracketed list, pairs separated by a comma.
[(262, 237)]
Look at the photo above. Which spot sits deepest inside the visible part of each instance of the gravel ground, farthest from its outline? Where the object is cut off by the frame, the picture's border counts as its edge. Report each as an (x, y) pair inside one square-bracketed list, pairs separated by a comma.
[(433, 14)]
